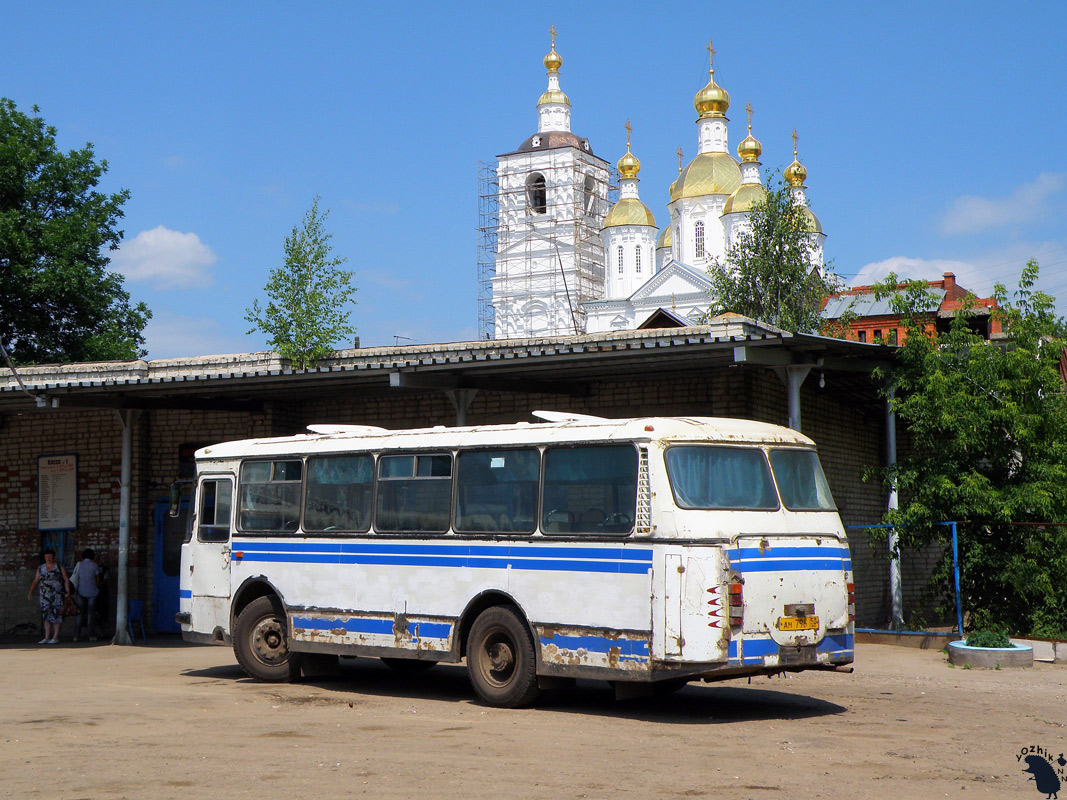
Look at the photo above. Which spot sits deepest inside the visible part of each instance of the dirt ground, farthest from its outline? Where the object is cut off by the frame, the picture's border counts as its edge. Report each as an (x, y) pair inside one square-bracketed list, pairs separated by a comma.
[(170, 720)]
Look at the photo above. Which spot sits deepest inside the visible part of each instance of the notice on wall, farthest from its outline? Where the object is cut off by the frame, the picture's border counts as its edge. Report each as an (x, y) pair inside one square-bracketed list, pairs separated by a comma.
[(57, 493)]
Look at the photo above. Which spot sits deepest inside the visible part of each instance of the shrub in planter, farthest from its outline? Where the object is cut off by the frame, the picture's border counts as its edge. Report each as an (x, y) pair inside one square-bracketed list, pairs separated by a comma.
[(988, 638)]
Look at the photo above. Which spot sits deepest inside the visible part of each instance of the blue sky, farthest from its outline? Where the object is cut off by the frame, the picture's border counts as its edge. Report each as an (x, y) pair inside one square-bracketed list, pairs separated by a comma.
[(932, 133)]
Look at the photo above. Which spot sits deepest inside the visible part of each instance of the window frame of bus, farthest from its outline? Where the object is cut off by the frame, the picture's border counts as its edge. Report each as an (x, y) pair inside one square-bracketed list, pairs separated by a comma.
[(490, 450), (759, 448), (542, 522), (215, 478), (241, 482), (307, 483), (414, 454)]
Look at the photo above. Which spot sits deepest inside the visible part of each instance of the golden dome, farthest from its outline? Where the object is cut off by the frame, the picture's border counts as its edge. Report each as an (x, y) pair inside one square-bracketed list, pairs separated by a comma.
[(795, 174), (811, 220), (552, 96), (745, 198), (708, 173), (750, 148), (712, 100), (628, 165), (665, 238), (629, 211), (553, 61)]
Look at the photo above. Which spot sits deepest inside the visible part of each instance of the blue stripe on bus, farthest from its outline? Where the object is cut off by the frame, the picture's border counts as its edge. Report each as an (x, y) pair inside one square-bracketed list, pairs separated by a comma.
[(629, 649), (791, 552), (558, 559), (185, 593), (416, 630), (756, 649), (448, 549), (792, 565)]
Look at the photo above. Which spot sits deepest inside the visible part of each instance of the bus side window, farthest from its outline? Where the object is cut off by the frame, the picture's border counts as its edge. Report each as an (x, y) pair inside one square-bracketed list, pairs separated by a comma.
[(214, 510), (589, 489), (496, 490), (269, 496), (414, 493), (338, 494)]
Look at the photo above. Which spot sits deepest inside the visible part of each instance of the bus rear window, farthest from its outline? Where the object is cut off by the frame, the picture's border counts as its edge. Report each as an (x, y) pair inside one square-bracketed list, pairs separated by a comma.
[(801, 481), (721, 477), (590, 489)]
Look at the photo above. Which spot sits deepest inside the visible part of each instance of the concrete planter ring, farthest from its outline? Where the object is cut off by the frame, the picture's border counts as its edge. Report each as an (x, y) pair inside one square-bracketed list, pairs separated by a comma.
[(1018, 655)]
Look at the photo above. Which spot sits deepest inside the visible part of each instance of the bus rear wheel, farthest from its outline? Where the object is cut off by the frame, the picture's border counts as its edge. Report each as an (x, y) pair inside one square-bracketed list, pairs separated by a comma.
[(261, 642), (501, 661)]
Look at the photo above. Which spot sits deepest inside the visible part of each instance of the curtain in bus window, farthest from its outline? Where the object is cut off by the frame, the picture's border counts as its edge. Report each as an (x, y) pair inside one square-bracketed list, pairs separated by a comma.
[(720, 477), (590, 489), (269, 496), (801, 480), (414, 493), (338, 494), (496, 490)]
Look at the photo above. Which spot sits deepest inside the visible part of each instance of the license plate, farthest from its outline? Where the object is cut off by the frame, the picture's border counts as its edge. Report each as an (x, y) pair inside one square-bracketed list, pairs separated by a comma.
[(798, 623)]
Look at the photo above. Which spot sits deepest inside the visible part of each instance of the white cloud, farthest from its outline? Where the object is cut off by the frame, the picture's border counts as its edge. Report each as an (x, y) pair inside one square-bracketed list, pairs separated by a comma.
[(1028, 203), (167, 259), (909, 268), (170, 335)]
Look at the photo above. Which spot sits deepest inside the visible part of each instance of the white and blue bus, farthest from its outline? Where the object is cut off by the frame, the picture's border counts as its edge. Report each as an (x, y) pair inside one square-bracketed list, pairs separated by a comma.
[(641, 551)]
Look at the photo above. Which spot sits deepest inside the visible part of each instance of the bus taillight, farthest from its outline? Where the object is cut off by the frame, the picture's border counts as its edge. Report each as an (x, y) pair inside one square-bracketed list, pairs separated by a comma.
[(737, 604), (851, 602)]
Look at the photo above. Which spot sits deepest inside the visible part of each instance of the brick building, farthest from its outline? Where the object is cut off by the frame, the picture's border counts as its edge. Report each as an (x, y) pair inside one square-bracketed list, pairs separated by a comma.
[(732, 367), (876, 322)]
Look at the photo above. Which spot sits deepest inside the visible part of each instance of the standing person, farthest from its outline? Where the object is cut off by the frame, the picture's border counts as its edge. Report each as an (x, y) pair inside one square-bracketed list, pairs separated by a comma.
[(54, 588), (88, 585)]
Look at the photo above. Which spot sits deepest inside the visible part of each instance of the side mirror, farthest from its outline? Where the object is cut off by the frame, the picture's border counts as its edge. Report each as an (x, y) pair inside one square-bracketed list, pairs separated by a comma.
[(175, 498)]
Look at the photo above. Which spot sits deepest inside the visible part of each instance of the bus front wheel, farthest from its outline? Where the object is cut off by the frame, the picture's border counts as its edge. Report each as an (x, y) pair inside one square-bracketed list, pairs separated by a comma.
[(501, 660), (261, 642)]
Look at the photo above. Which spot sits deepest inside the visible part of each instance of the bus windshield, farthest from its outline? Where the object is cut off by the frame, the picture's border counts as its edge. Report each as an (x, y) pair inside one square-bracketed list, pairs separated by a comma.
[(801, 480)]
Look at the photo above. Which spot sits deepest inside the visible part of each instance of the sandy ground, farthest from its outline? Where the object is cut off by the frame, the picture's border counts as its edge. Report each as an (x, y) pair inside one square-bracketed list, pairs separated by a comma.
[(169, 720)]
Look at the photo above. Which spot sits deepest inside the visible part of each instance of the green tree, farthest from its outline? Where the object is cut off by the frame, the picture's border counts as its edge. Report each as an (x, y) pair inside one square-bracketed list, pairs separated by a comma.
[(60, 301), (307, 312), (770, 273), (988, 428)]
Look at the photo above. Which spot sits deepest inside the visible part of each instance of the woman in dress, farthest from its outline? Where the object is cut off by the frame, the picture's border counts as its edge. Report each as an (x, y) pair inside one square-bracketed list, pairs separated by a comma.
[(54, 586)]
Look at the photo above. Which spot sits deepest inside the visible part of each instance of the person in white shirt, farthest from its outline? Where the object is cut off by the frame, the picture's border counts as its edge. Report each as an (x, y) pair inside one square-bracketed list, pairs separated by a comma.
[(87, 576)]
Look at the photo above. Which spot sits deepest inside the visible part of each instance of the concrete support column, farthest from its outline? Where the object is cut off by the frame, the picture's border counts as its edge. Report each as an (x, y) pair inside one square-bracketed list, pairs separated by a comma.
[(896, 592), (793, 377), (127, 419), (461, 401)]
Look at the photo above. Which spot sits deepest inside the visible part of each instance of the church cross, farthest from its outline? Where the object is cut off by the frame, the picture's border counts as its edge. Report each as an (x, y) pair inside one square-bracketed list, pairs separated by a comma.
[(679, 159), (795, 137), (711, 58), (748, 108), (629, 129), (552, 31)]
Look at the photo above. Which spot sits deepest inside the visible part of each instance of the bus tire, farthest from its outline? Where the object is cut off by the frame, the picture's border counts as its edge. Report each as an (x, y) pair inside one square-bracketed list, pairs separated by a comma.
[(501, 661), (261, 642)]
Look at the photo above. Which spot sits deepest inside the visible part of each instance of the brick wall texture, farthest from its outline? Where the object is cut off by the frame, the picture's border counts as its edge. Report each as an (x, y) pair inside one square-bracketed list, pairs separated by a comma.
[(845, 418)]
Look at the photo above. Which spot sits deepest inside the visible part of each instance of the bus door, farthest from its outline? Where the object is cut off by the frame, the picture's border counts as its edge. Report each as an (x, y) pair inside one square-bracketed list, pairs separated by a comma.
[(209, 567)]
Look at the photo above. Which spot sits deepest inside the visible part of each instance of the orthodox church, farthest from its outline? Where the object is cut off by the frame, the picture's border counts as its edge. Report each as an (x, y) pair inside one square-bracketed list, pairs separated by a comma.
[(567, 261)]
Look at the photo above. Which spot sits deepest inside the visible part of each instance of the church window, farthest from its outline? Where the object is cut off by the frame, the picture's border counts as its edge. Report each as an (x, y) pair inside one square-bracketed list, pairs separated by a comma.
[(618, 256), (698, 236), (536, 194), (589, 190), (637, 261)]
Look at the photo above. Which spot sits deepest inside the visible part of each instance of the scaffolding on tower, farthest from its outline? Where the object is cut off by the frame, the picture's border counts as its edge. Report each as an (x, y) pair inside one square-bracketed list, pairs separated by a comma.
[(526, 252)]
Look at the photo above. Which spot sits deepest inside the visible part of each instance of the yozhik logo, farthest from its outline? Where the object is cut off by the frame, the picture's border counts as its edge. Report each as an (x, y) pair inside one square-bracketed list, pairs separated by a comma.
[(1046, 770)]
